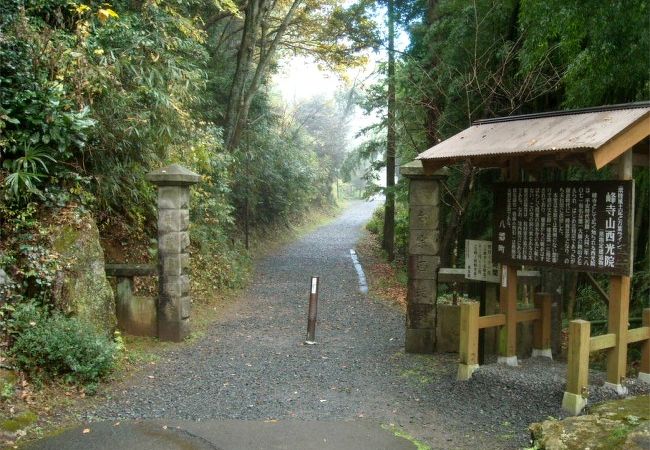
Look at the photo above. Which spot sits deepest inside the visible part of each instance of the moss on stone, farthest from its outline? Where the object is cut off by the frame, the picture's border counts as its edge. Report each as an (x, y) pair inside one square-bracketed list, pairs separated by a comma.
[(7, 376), (622, 409), (610, 425), (82, 288)]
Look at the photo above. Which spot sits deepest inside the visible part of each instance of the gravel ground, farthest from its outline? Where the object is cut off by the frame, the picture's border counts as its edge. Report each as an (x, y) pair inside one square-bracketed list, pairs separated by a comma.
[(253, 365)]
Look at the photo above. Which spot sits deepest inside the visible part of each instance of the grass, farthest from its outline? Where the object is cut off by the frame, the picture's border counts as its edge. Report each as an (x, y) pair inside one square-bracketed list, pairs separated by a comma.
[(399, 432), (18, 422), (386, 281)]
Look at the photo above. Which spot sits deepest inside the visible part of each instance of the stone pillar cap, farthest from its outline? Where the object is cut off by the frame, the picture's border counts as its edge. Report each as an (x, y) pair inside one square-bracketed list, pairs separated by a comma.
[(173, 175), (414, 169)]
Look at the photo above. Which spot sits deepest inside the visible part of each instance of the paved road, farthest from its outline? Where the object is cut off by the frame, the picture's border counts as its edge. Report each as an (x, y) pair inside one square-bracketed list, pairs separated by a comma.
[(253, 366)]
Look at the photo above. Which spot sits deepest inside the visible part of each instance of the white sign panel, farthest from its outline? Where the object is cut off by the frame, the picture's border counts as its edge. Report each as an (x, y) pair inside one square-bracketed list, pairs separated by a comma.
[(478, 261)]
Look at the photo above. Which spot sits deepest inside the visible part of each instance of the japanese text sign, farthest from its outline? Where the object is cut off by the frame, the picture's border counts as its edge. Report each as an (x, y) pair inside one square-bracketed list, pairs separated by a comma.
[(582, 225), (478, 261)]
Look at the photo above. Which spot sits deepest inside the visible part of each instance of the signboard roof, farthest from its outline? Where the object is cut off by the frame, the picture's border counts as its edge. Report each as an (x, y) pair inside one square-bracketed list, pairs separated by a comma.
[(548, 134)]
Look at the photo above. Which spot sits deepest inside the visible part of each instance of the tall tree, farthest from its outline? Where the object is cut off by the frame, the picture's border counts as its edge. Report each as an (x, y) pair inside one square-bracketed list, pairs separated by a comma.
[(391, 142), (257, 26), (324, 30)]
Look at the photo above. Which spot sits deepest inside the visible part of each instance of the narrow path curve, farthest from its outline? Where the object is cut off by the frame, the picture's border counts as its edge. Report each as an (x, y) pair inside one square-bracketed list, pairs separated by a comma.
[(253, 365)]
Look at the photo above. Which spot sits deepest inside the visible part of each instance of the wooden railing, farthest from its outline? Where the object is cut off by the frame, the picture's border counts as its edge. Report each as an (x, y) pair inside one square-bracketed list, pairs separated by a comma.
[(581, 344), (471, 322)]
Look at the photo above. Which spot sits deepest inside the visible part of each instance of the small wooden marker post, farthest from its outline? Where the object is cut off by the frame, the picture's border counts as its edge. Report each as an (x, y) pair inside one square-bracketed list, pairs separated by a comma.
[(313, 308), (542, 326), (575, 396), (468, 352), (644, 368)]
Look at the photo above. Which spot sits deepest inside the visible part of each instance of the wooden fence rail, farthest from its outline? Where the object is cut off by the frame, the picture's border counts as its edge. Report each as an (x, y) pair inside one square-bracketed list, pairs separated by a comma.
[(581, 344), (471, 322)]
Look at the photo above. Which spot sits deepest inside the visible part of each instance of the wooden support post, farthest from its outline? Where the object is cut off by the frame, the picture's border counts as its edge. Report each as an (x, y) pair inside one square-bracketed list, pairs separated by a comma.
[(468, 351), (508, 296), (575, 396), (508, 306), (644, 370), (491, 307), (617, 324), (619, 304), (542, 327)]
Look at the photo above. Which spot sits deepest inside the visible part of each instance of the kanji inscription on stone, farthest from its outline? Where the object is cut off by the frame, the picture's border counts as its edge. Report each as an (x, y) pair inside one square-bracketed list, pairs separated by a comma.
[(579, 225)]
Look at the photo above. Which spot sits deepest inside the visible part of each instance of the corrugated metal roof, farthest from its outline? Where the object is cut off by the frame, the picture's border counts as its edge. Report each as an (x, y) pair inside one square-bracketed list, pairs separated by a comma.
[(562, 132)]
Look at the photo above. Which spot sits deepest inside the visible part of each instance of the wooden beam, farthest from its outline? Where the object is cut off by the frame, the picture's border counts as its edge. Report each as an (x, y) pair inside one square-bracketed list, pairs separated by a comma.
[(602, 342), (508, 306), (431, 166), (453, 275), (578, 356), (468, 339), (542, 327), (617, 321), (529, 277), (508, 294), (528, 315), (625, 167), (621, 143), (494, 320), (130, 270), (641, 160), (619, 290), (644, 367), (638, 334)]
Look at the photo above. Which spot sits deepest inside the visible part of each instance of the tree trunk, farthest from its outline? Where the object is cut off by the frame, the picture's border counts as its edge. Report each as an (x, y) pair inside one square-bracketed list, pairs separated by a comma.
[(639, 215), (459, 205), (242, 69), (389, 210), (244, 91)]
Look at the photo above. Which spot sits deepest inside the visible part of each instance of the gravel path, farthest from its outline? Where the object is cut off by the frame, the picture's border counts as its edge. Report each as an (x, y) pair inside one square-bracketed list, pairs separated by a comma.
[(252, 363)]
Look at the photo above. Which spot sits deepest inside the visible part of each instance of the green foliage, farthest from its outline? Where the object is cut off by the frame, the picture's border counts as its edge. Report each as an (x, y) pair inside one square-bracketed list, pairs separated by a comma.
[(589, 305), (27, 257), (473, 60), (376, 226), (94, 95), (51, 346), (26, 172), (601, 50), (376, 223)]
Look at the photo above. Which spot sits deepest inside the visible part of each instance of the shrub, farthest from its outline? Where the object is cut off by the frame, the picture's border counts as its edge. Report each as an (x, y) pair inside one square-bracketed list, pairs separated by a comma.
[(53, 345), (376, 223)]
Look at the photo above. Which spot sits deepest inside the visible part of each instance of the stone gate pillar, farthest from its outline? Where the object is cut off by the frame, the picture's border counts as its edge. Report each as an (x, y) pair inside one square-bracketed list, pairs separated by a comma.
[(423, 260), (173, 258)]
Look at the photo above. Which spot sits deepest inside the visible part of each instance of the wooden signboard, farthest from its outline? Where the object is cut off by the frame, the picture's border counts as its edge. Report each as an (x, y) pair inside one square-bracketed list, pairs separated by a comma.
[(581, 225), (478, 261)]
